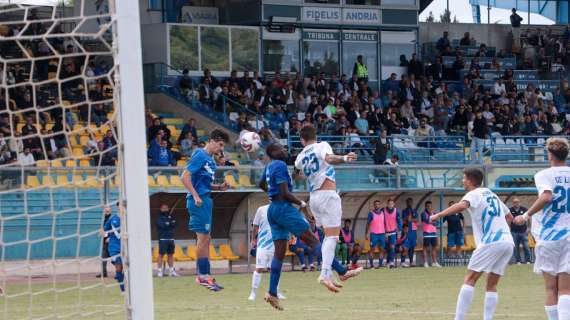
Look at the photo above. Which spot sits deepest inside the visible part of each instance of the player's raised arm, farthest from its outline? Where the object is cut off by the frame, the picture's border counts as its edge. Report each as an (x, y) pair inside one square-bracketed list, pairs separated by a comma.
[(542, 200), (456, 208), (337, 159)]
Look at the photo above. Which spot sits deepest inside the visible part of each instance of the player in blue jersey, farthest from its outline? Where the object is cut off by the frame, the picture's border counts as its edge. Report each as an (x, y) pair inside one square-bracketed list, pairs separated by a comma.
[(551, 229), (284, 219), (112, 228), (198, 178)]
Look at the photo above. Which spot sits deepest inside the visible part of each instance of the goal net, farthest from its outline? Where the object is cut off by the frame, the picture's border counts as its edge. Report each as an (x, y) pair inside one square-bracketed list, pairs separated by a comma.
[(64, 81)]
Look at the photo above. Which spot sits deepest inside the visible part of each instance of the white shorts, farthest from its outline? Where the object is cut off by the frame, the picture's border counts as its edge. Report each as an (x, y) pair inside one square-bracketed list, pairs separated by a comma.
[(552, 257), (326, 206), (263, 258), (492, 258)]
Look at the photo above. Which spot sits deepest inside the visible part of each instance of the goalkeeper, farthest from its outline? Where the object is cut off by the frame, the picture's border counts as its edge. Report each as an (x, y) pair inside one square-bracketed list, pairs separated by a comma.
[(112, 228)]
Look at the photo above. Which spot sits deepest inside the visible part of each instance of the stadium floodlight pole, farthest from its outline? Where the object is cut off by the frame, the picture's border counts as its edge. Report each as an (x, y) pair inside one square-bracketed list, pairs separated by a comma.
[(134, 166)]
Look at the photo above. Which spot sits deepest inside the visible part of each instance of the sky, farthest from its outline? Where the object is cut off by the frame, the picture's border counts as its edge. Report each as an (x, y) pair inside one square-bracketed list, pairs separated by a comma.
[(462, 10)]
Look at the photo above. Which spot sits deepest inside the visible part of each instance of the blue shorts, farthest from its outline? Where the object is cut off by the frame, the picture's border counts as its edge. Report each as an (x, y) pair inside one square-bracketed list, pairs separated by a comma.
[(284, 219), (455, 239), (377, 240), (200, 217), (411, 241), (115, 256), (392, 239)]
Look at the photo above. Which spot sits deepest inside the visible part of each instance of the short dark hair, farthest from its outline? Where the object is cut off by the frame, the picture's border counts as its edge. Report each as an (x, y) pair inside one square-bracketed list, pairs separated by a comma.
[(219, 135), (376, 201), (347, 220), (558, 147), (475, 175), (272, 148), (427, 202), (391, 199), (308, 133)]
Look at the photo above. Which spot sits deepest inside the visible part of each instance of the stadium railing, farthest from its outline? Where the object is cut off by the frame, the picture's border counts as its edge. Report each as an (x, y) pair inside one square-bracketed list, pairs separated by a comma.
[(160, 77), (410, 149), (525, 149)]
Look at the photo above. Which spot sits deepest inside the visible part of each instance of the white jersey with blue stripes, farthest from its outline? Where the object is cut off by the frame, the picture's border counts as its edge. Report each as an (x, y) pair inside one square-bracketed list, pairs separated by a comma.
[(553, 223), (488, 217), (312, 161), (264, 238)]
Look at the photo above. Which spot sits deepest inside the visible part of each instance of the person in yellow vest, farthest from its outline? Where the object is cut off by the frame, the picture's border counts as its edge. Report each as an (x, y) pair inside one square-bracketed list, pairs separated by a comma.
[(360, 69)]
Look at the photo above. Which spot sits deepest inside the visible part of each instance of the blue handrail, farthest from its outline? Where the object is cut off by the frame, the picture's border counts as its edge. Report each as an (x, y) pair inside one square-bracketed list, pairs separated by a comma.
[(158, 77)]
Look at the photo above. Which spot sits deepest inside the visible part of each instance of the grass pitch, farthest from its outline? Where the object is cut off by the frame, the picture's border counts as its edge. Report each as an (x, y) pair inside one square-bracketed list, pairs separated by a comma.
[(415, 293)]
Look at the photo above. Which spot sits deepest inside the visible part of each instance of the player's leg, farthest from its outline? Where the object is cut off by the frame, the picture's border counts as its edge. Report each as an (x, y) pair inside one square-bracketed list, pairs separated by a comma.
[(170, 257), (551, 296), (327, 208), (465, 296), (280, 243), (434, 253), (201, 222), (262, 262), (491, 296), (564, 296), (119, 275), (159, 260), (425, 253), (413, 241)]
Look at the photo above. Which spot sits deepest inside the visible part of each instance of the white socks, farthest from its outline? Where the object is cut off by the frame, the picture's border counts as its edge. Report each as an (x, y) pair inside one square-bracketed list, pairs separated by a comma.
[(255, 280), (564, 307), (551, 312), (327, 249), (464, 301), (491, 300)]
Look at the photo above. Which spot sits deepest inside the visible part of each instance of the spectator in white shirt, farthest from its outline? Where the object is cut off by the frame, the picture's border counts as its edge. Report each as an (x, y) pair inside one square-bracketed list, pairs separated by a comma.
[(26, 158), (499, 88)]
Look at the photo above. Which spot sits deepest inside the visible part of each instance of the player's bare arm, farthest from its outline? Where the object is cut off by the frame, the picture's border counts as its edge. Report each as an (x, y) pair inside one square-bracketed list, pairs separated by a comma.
[(456, 208), (338, 159), (544, 199), (288, 196), (187, 181)]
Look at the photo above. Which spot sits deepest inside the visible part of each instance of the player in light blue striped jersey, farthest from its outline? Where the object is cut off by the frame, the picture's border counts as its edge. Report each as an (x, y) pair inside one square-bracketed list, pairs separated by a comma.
[(551, 229), (263, 242)]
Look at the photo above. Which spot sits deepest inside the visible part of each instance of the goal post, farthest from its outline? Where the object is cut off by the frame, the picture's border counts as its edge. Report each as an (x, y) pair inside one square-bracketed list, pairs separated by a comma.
[(134, 165), (73, 144)]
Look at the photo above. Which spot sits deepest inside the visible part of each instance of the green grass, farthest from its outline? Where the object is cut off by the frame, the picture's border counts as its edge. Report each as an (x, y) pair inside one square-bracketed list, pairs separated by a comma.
[(415, 293)]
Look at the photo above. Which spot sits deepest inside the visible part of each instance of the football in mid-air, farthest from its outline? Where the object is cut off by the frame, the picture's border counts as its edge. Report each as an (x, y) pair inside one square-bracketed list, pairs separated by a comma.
[(250, 141)]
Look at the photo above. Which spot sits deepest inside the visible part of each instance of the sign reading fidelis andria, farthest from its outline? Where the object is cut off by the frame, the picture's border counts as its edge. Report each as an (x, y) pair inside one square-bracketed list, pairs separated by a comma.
[(333, 15)]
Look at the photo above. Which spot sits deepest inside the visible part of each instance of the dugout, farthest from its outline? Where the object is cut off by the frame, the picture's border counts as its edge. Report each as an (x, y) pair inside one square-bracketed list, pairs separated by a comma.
[(234, 211)]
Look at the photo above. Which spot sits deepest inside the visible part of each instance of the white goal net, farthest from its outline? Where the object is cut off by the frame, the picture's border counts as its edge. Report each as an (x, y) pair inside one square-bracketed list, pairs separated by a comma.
[(66, 226)]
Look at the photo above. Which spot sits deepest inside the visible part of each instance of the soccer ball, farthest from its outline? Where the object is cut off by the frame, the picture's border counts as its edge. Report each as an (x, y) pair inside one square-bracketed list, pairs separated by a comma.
[(250, 141)]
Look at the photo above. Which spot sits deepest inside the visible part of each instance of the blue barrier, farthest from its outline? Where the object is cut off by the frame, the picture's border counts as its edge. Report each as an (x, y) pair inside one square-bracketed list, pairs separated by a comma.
[(491, 74), (484, 62), (543, 85), (525, 149), (410, 149)]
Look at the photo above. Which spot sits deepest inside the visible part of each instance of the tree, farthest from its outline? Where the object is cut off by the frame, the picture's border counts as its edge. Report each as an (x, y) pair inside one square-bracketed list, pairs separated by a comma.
[(430, 17), (445, 17)]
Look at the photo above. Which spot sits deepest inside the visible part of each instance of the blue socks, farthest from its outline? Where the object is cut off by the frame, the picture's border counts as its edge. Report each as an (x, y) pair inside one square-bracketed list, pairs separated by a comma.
[(338, 267), (274, 275), (120, 277), (203, 266)]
